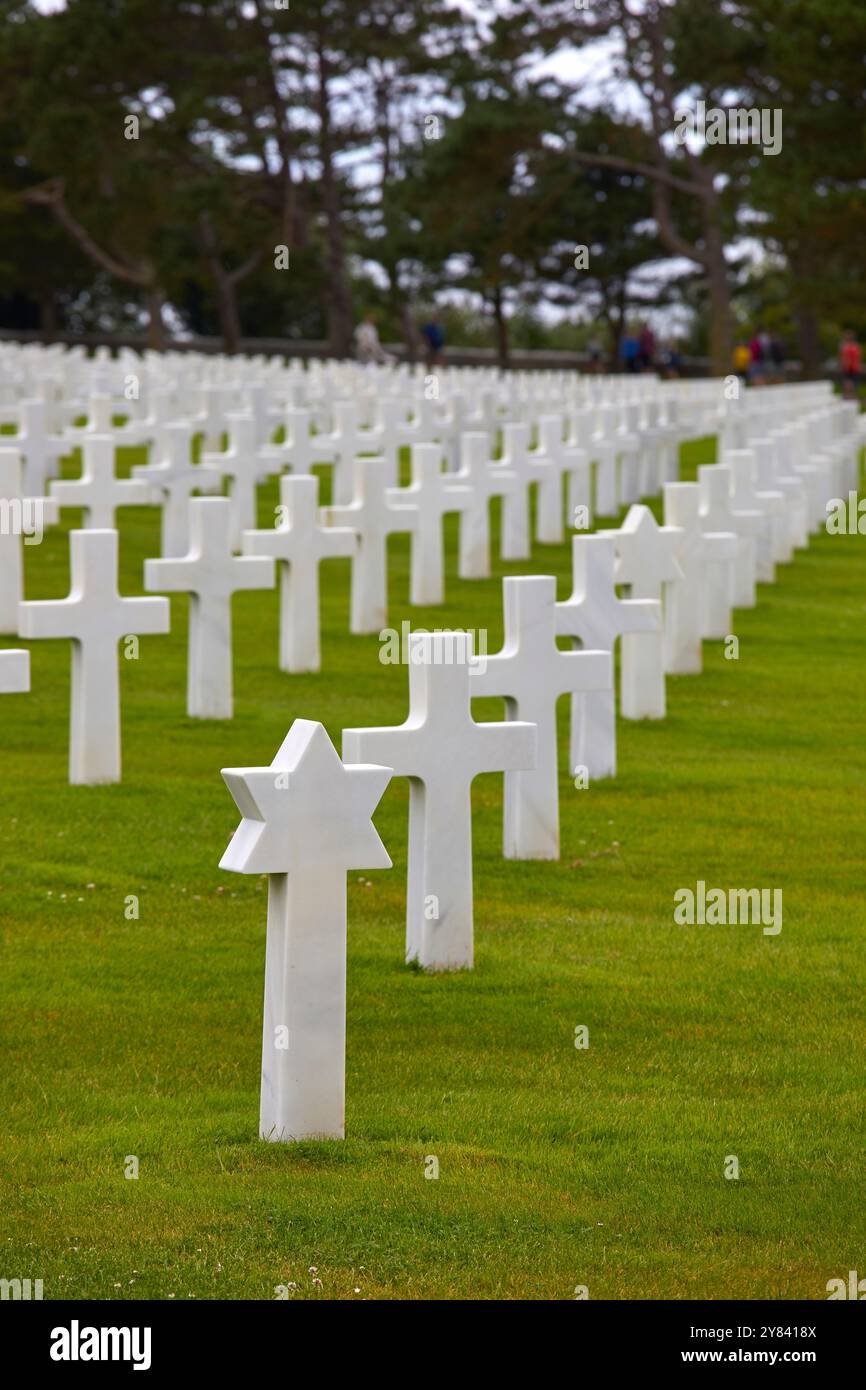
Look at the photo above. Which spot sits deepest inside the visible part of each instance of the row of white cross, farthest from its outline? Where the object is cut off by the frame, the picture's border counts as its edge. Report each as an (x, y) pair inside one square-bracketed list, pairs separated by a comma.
[(306, 819), (200, 535)]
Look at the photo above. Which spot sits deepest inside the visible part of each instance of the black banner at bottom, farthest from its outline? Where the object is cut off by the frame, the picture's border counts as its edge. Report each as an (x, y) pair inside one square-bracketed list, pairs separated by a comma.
[(262, 1338)]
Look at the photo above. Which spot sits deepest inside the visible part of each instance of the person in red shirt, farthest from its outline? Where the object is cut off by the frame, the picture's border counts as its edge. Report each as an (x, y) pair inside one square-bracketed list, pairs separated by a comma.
[(850, 364)]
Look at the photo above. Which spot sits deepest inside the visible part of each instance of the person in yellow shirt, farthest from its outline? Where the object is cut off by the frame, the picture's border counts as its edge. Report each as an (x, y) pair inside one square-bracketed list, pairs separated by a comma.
[(742, 360)]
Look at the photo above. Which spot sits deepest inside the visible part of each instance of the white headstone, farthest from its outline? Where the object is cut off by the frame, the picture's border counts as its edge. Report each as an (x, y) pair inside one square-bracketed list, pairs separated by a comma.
[(530, 673), (718, 513), (306, 823), (22, 521), (645, 561), (595, 617), (485, 480), (241, 464), (176, 478), (441, 749), (684, 600), (434, 493), (299, 543), (744, 483), (99, 491), (95, 618), (14, 672), (39, 450), (374, 518), (210, 574), (514, 544), (552, 460)]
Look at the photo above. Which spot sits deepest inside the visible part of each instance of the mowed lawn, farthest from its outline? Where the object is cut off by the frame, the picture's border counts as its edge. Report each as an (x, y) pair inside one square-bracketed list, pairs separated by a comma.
[(557, 1167)]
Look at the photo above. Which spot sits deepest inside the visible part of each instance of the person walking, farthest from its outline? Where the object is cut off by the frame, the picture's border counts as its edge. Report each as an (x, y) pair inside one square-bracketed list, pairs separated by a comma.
[(646, 348), (434, 336), (850, 363), (630, 351), (367, 344)]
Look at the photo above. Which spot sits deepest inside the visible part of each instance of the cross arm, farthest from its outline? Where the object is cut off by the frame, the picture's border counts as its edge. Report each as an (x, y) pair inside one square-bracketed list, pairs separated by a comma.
[(509, 746)]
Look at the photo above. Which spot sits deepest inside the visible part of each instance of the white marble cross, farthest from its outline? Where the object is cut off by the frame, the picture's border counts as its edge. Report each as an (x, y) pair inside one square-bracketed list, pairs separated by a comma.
[(347, 442), (628, 448), (434, 493), (14, 672), (645, 561), (306, 823), (210, 574), (745, 495), (375, 518), (530, 673), (552, 460), (241, 464), (22, 520), (95, 618), (485, 480), (603, 449), (794, 529), (299, 542), (176, 478), (684, 600), (39, 450), (595, 617), (718, 513), (99, 491), (514, 541), (441, 749)]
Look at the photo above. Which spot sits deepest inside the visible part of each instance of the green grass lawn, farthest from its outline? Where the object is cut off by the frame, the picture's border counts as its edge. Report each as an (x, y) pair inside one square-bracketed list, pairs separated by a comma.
[(557, 1167)]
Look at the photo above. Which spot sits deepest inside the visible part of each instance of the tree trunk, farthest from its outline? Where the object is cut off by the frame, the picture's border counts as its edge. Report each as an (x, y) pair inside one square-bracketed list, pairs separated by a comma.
[(227, 308), (617, 328), (48, 315), (411, 337), (339, 302), (155, 299), (809, 339), (501, 324), (721, 341)]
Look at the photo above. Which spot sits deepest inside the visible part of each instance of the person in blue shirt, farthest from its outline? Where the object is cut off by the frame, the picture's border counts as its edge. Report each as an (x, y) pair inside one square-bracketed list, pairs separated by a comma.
[(434, 336), (630, 352)]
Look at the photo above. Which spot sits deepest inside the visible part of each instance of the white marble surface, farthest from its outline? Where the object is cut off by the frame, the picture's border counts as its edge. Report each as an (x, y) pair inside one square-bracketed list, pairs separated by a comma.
[(21, 517), (434, 493), (99, 491), (596, 617), (175, 478), (374, 518), (210, 574), (646, 561), (306, 823), (14, 671), (530, 673), (485, 480), (95, 618), (299, 544), (719, 513), (441, 749), (515, 541), (745, 495), (241, 464), (697, 552)]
